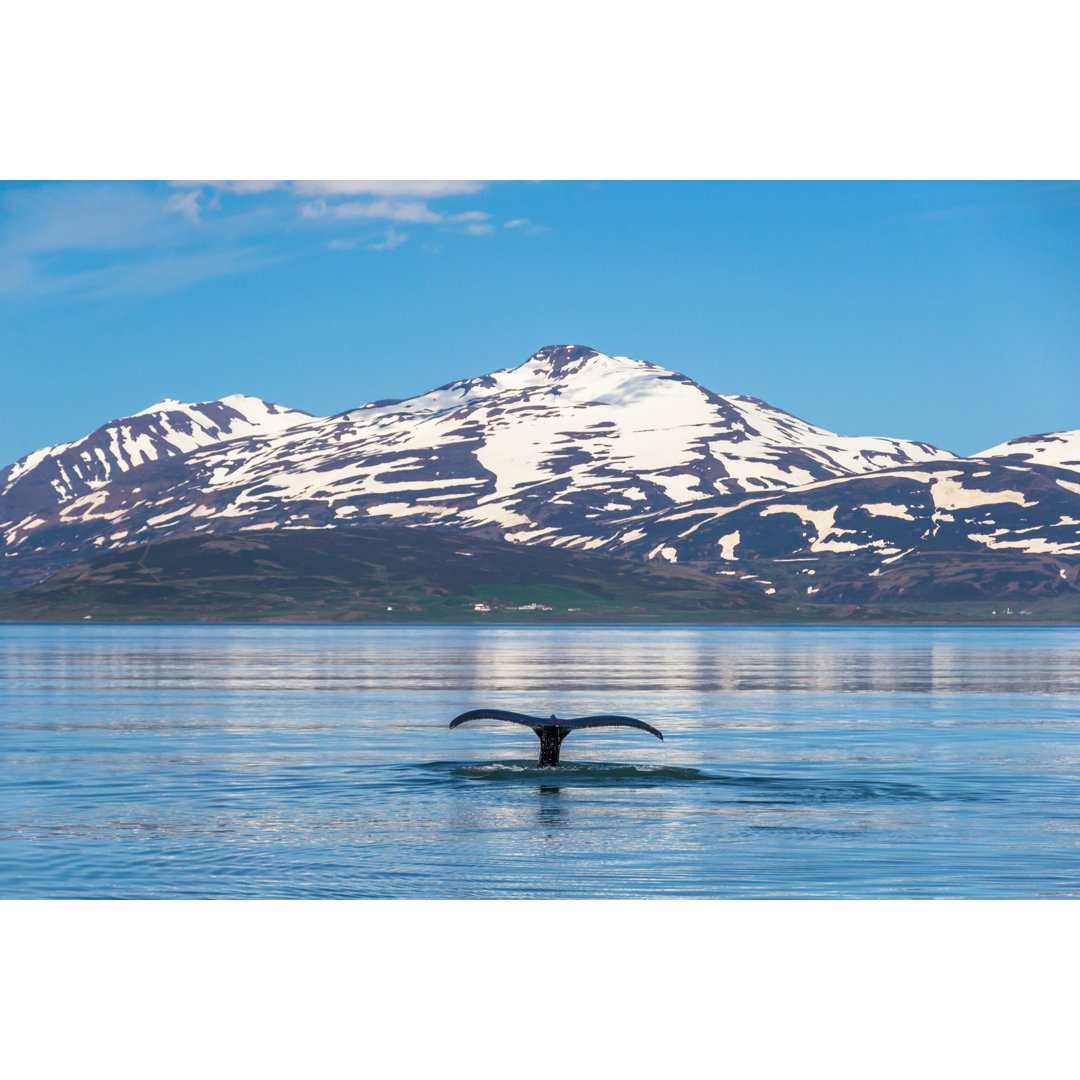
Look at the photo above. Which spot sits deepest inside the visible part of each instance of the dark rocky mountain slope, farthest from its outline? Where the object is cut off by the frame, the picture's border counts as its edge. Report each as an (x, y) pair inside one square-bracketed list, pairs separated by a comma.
[(377, 574)]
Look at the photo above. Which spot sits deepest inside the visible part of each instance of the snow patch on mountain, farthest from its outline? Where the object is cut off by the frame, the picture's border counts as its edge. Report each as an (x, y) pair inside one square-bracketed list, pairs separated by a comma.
[(948, 494), (823, 523), (889, 510), (727, 544)]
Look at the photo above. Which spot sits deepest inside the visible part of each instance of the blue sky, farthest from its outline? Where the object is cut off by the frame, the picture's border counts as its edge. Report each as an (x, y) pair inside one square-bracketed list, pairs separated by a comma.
[(946, 312)]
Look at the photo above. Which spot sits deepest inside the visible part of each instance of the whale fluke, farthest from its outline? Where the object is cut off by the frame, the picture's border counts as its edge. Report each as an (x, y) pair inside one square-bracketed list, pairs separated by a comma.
[(553, 730)]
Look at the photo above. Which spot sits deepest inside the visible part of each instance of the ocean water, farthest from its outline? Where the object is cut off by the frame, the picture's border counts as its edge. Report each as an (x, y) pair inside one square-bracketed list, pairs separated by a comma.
[(275, 761)]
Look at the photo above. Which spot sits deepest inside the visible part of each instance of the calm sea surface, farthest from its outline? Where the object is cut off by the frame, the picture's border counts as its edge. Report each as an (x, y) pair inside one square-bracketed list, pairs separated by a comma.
[(316, 762)]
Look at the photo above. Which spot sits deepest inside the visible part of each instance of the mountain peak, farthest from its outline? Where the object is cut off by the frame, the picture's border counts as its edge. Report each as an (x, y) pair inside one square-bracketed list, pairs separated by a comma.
[(165, 405), (242, 403), (166, 429), (559, 360)]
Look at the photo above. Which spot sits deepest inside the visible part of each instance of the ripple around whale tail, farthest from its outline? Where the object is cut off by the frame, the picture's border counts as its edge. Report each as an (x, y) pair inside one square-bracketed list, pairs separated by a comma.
[(569, 772), (748, 789)]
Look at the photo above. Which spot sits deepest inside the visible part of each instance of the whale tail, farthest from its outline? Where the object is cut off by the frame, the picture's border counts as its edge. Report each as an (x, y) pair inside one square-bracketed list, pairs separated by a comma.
[(550, 741), (552, 731)]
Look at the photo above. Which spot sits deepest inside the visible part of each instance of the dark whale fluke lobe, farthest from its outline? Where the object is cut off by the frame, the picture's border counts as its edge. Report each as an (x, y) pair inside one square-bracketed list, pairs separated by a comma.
[(553, 730)]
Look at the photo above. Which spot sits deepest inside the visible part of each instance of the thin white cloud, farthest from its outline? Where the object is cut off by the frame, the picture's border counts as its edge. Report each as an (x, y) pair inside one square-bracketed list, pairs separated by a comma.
[(186, 204), (392, 240), (237, 187), (387, 189), (251, 187), (526, 224), (426, 189), (154, 274), (104, 238), (83, 217), (411, 212), (415, 213), (404, 201), (171, 272)]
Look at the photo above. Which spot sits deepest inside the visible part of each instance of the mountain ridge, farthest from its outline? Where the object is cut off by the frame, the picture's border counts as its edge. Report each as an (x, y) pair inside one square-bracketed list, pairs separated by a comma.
[(168, 428), (571, 448)]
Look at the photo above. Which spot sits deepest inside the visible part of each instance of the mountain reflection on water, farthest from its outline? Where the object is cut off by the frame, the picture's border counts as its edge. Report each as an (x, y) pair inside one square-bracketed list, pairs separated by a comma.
[(316, 761)]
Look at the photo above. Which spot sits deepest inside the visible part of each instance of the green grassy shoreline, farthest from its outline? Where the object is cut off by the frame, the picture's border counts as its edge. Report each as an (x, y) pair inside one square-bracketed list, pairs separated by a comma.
[(402, 576)]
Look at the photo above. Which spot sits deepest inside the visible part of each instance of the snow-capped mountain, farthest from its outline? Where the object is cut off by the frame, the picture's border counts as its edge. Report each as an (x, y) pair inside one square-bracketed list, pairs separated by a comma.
[(577, 414), (53, 476), (1058, 448), (553, 450), (572, 449)]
